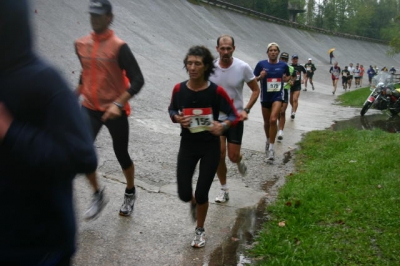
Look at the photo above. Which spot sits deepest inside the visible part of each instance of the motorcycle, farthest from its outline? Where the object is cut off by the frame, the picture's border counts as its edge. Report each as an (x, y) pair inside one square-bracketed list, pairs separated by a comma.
[(383, 95)]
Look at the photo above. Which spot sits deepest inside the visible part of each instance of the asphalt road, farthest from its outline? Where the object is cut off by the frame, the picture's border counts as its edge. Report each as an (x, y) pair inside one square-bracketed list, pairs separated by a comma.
[(159, 32)]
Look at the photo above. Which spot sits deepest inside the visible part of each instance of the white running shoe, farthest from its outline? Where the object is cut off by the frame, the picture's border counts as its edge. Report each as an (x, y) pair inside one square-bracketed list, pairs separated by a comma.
[(266, 148), (99, 201), (271, 155), (280, 135), (128, 205), (199, 240), (223, 196), (293, 115)]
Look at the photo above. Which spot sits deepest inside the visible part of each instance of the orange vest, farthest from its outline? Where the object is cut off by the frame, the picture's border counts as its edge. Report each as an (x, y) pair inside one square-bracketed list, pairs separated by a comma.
[(103, 81)]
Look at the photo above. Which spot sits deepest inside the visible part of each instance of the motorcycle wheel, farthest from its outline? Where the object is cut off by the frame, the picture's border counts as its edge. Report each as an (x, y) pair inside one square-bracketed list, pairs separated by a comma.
[(365, 108)]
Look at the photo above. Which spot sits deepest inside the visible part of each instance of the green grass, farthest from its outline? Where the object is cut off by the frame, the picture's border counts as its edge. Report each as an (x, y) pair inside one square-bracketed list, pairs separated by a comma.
[(341, 207), (354, 98)]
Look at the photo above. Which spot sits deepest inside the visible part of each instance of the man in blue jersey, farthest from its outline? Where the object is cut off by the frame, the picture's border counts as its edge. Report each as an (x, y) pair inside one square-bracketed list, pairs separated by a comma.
[(271, 73)]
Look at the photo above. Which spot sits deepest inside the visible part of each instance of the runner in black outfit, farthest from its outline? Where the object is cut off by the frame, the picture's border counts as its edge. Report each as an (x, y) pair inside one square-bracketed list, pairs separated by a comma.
[(196, 104)]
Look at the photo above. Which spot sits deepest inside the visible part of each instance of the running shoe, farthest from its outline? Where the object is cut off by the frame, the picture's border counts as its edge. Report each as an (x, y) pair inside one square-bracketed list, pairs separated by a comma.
[(271, 155), (333, 92), (128, 205), (293, 115), (223, 196), (312, 87), (242, 168), (266, 148), (280, 135), (305, 89), (199, 240), (193, 211), (99, 201)]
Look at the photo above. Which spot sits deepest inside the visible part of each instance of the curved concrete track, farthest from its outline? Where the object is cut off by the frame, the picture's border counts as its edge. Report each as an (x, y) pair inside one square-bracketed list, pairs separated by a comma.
[(159, 33)]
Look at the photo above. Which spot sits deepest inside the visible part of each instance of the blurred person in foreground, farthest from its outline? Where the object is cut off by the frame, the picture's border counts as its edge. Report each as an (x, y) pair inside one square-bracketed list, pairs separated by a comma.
[(196, 104), (43, 144), (106, 62)]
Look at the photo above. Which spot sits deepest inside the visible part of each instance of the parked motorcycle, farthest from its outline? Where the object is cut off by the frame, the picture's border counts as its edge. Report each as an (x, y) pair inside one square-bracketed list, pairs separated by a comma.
[(383, 95)]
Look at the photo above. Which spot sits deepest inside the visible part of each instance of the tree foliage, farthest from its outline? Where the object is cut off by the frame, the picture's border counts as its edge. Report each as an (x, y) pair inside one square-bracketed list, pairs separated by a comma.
[(378, 19)]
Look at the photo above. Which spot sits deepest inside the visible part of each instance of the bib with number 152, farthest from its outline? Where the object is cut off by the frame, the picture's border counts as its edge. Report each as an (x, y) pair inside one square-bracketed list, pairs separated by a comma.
[(201, 118), (274, 84)]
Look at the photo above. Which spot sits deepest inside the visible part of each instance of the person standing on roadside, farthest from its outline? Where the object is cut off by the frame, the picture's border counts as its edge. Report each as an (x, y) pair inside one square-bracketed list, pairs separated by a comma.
[(331, 56), (310, 67), (271, 73), (350, 77), (196, 104), (231, 73), (296, 87), (286, 87), (44, 143), (105, 61), (335, 73), (392, 70)]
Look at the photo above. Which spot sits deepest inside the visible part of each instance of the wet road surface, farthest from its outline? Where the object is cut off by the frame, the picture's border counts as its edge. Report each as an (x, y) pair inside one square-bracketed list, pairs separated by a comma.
[(159, 34)]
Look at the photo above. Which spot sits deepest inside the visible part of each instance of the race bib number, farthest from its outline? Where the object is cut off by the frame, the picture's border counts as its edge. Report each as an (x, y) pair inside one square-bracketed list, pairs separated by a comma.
[(274, 84), (308, 68), (344, 74), (201, 118)]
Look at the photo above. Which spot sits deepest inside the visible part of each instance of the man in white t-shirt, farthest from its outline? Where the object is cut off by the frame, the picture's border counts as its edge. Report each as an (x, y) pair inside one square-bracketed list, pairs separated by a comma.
[(350, 77), (231, 73)]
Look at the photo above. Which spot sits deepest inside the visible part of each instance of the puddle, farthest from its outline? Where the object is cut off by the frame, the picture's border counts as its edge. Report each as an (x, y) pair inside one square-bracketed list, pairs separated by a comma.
[(368, 122), (248, 223)]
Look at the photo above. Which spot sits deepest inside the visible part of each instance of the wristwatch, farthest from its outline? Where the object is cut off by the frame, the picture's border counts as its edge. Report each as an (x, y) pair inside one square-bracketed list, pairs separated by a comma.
[(247, 110), (120, 106)]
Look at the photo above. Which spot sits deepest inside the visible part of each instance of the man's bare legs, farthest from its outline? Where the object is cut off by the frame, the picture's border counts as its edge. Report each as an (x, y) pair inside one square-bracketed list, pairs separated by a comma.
[(235, 157), (334, 83), (282, 120)]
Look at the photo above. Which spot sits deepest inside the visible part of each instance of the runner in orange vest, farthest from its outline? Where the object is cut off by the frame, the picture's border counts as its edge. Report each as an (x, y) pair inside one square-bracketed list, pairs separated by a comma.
[(107, 63)]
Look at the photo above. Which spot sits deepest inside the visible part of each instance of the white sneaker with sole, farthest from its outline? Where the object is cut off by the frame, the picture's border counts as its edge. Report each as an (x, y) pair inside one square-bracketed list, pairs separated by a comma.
[(128, 205), (199, 240), (223, 196), (271, 155), (99, 201), (280, 135)]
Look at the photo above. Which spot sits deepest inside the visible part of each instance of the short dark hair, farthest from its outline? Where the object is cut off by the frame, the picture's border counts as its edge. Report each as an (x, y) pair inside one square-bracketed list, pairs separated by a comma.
[(208, 59), (226, 36)]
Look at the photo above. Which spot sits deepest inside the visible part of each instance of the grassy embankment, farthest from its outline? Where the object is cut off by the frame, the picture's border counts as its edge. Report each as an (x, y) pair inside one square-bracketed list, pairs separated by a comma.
[(342, 206)]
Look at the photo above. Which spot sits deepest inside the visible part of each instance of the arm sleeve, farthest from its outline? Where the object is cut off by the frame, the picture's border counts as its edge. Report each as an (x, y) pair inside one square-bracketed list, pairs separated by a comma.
[(248, 74), (62, 143), (127, 62), (173, 108)]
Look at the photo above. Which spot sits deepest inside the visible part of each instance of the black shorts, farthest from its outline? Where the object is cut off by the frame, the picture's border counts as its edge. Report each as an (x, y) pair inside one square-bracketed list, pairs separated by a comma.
[(350, 77), (296, 87), (285, 96), (235, 134), (310, 75)]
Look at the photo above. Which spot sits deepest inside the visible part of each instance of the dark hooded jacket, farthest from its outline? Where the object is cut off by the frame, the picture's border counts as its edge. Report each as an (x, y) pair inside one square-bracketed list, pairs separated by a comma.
[(46, 145)]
